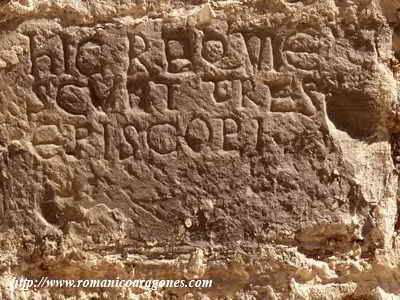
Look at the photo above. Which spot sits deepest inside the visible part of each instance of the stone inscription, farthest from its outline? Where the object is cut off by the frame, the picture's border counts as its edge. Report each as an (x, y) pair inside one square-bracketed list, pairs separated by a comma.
[(164, 87)]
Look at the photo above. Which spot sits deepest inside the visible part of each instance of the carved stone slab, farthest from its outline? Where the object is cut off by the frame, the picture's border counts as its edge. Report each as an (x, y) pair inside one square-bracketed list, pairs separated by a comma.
[(211, 128)]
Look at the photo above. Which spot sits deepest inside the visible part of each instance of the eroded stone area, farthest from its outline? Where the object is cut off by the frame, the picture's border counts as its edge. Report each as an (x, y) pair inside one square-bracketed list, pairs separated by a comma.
[(255, 138)]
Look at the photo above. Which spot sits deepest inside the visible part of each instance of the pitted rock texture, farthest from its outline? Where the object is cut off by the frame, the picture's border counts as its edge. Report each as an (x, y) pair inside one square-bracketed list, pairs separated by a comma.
[(254, 143)]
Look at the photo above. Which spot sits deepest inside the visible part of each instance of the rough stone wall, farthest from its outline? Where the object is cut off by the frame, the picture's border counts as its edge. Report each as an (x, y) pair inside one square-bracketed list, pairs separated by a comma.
[(255, 143)]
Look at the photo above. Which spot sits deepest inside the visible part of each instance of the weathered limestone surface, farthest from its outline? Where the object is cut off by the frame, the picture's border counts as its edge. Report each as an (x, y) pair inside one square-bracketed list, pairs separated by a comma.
[(255, 143)]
